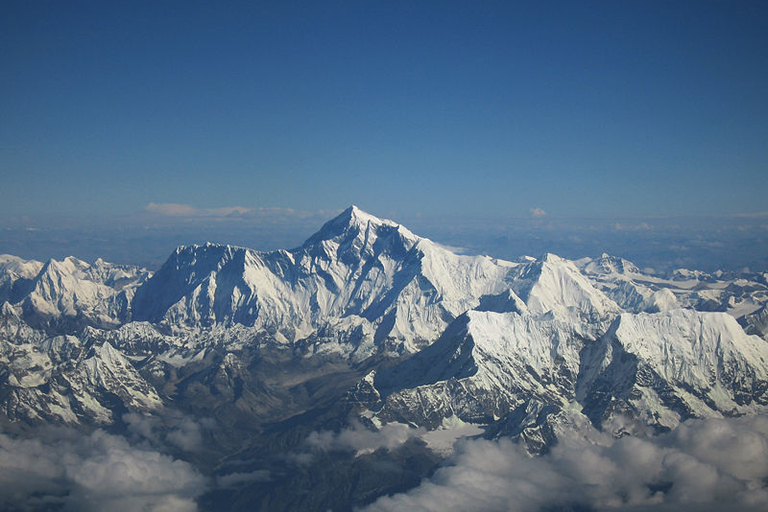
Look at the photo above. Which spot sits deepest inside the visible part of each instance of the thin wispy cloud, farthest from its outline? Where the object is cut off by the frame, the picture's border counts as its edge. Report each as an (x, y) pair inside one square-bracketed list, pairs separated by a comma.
[(359, 439), (233, 480), (264, 213), (642, 226), (187, 210), (756, 215), (171, 429)]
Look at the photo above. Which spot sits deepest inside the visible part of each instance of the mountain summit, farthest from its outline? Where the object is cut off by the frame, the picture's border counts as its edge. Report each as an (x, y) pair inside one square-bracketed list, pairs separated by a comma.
[(321, 363), (355, 220), (356, 271)]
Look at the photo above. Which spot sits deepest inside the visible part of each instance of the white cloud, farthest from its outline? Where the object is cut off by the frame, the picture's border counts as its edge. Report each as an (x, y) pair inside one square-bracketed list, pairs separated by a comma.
[(237, 479), (538, 212), (753, 215), (186, 210), (187, 435), (704, 465), (641, 226), (92, 473), (268, 214), (170, 429), (362, 440)]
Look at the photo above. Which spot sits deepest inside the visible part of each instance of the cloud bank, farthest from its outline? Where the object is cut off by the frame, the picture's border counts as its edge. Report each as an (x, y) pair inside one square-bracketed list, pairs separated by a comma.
[(172, 429), (187, 210), (63, 469), (264, 213), (359, 439), (703, 465)]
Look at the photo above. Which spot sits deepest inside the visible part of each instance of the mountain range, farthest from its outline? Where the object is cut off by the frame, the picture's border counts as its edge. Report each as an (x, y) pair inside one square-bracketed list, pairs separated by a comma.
[(265, 370)]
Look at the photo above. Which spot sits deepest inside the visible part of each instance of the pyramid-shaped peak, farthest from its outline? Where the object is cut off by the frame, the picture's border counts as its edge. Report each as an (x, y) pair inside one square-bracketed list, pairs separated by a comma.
[(353, 220), (549, 257), (553, 283), (68, 265), (607, 264), (357, 216)]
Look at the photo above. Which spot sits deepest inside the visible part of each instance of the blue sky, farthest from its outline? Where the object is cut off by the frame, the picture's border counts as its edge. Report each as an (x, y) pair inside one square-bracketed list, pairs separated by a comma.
[(577, 108), (165, 113)]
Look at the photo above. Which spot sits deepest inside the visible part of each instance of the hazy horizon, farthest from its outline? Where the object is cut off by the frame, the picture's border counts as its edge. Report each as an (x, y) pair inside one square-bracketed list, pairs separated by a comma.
[(727, 242)]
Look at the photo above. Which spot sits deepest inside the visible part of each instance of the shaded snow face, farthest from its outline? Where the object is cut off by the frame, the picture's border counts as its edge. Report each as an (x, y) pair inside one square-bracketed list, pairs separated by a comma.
[(718, 464)]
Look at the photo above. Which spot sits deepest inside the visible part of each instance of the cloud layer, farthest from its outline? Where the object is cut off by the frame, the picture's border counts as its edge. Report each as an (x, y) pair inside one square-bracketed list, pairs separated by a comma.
[(705, 464), (186, 210), (65, 469), (361, 440), (191, 212)]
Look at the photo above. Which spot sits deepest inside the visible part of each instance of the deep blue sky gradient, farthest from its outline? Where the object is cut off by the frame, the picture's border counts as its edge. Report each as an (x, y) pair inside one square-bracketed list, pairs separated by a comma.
[(469, 108)]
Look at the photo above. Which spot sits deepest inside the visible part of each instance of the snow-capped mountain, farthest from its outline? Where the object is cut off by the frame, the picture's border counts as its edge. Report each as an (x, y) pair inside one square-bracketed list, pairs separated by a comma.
[(70, 291), (357, 273), (553, 285), (667, 367), (369, 321)]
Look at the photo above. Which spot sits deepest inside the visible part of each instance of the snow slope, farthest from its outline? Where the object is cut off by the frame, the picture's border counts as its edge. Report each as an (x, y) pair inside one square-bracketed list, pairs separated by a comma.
[(357, 272), (435, 338)]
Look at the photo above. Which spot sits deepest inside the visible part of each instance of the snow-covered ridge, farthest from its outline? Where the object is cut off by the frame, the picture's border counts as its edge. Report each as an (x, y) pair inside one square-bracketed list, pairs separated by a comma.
[(554, 285), (508, 345), (356, 268), (70, 290)]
